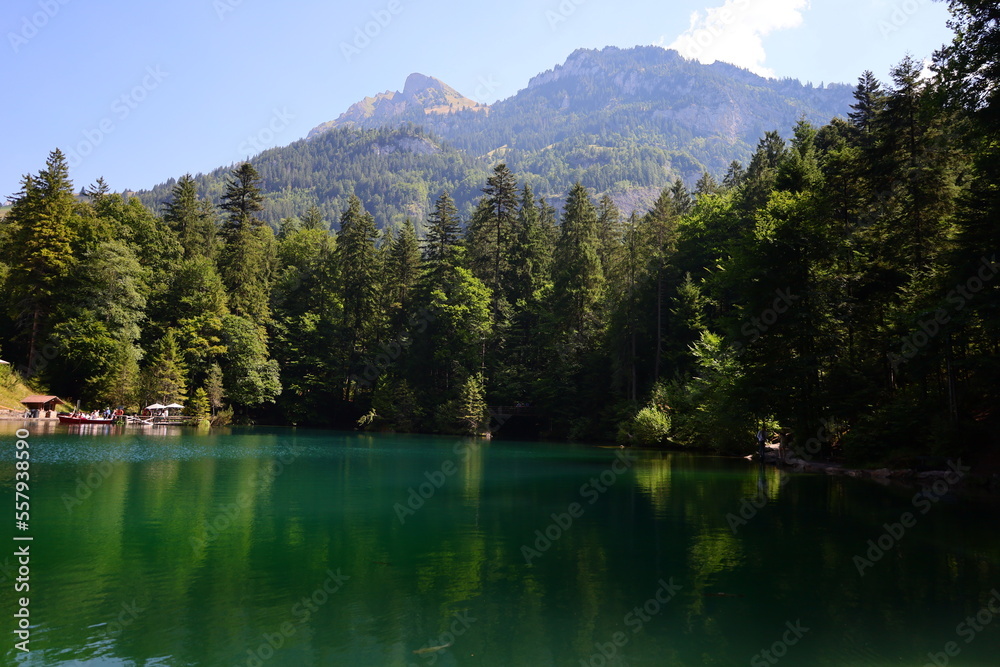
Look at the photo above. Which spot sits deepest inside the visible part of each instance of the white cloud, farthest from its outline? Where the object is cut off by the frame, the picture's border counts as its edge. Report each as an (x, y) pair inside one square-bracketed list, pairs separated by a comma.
[(734, 32)]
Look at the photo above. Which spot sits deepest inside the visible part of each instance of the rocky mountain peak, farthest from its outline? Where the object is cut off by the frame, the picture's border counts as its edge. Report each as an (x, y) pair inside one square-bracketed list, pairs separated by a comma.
[(417, 82), (422, 95)]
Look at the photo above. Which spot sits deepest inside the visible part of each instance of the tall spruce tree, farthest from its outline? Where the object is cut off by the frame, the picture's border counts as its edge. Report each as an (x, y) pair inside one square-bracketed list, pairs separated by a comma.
[(578, 277), (402, 273), (444, 233), (492, 233), (359, 268), (247, 260), (165, 376), (659, 231), (41, 252), (241, 201), (609, 233), (313, 219), (190, 219)]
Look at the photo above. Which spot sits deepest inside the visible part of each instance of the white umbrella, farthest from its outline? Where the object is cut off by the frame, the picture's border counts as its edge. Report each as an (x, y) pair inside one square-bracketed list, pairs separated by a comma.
[(155, 406), (173, 405)]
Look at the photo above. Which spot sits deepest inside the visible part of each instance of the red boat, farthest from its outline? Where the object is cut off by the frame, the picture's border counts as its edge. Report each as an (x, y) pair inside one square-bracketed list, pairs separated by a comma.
[(83, 419)]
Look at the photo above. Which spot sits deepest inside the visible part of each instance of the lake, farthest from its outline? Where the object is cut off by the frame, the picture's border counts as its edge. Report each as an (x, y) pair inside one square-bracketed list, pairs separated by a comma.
[(273, 547)]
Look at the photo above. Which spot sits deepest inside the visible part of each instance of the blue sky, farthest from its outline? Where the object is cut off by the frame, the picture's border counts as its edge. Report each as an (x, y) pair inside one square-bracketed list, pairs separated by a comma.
[(138, 92)]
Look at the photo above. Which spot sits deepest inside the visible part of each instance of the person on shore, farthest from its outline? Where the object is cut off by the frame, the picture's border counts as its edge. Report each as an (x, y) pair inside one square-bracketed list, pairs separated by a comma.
[(761, 439)]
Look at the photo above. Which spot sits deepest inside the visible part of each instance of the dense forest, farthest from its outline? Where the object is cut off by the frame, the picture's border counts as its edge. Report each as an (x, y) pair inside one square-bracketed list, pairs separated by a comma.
[(842, 282), (393, 170)]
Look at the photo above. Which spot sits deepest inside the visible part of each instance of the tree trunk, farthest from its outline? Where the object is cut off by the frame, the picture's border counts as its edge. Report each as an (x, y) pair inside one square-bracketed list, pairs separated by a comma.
[(659, 325), (634, 389), (35, 325)]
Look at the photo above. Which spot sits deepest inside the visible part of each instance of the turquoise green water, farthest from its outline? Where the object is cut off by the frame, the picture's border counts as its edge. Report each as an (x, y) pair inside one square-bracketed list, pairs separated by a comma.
[(291, 547)]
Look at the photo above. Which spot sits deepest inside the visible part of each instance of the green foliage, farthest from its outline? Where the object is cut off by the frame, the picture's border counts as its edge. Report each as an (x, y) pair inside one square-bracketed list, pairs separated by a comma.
[(41, 228), (246, 265), (649, 427), (466, 413), (623, 122), (190, 219), (215, 391), (250, 377), (461, 308), (396, 405), (241, 201), (165, 376), (846, 274), (198, 406), (443, 234), (392, 170), (709, 410), (579, 279)]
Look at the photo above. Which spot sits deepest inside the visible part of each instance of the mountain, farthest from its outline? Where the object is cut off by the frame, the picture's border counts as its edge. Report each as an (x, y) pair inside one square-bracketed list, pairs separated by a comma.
[(625, 122), (647, 91), (397, 173), (422, 95)]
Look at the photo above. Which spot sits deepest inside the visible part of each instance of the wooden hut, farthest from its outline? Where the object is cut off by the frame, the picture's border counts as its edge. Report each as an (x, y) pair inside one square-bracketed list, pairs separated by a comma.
[(42, 407)]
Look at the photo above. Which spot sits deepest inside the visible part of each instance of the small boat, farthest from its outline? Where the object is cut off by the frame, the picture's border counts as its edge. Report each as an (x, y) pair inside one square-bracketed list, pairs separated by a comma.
[(83, 419)]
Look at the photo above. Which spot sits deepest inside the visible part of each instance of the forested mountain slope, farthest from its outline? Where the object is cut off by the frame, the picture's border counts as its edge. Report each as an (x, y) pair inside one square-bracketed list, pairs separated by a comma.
[(623, 122)]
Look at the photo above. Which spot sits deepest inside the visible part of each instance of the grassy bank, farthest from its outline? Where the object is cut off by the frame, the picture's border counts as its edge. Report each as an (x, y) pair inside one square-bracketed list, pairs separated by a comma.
[(12, 389)]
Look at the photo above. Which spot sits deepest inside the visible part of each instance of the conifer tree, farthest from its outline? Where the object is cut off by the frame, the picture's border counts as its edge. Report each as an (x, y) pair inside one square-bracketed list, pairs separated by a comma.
[(359, 268), (734, 175), (313, 219), (492, 234), (869, 99), (214, 388), (402, 272), (287, 227), (198, 407), (247, 259), (681, 197), (41, 252), (659, 232), (165, 376), (706, 185), (443, 234), (189, 218), (609, 232), (578, 277), (241, 201)]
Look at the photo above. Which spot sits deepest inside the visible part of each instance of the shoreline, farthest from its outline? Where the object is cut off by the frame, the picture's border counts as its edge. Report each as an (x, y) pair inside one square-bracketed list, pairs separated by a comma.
[(968, 482)]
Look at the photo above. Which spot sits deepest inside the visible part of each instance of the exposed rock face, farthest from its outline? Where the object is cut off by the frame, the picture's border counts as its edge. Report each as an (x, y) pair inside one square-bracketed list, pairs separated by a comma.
[(420, 93), (718, 100), (704, 116)]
